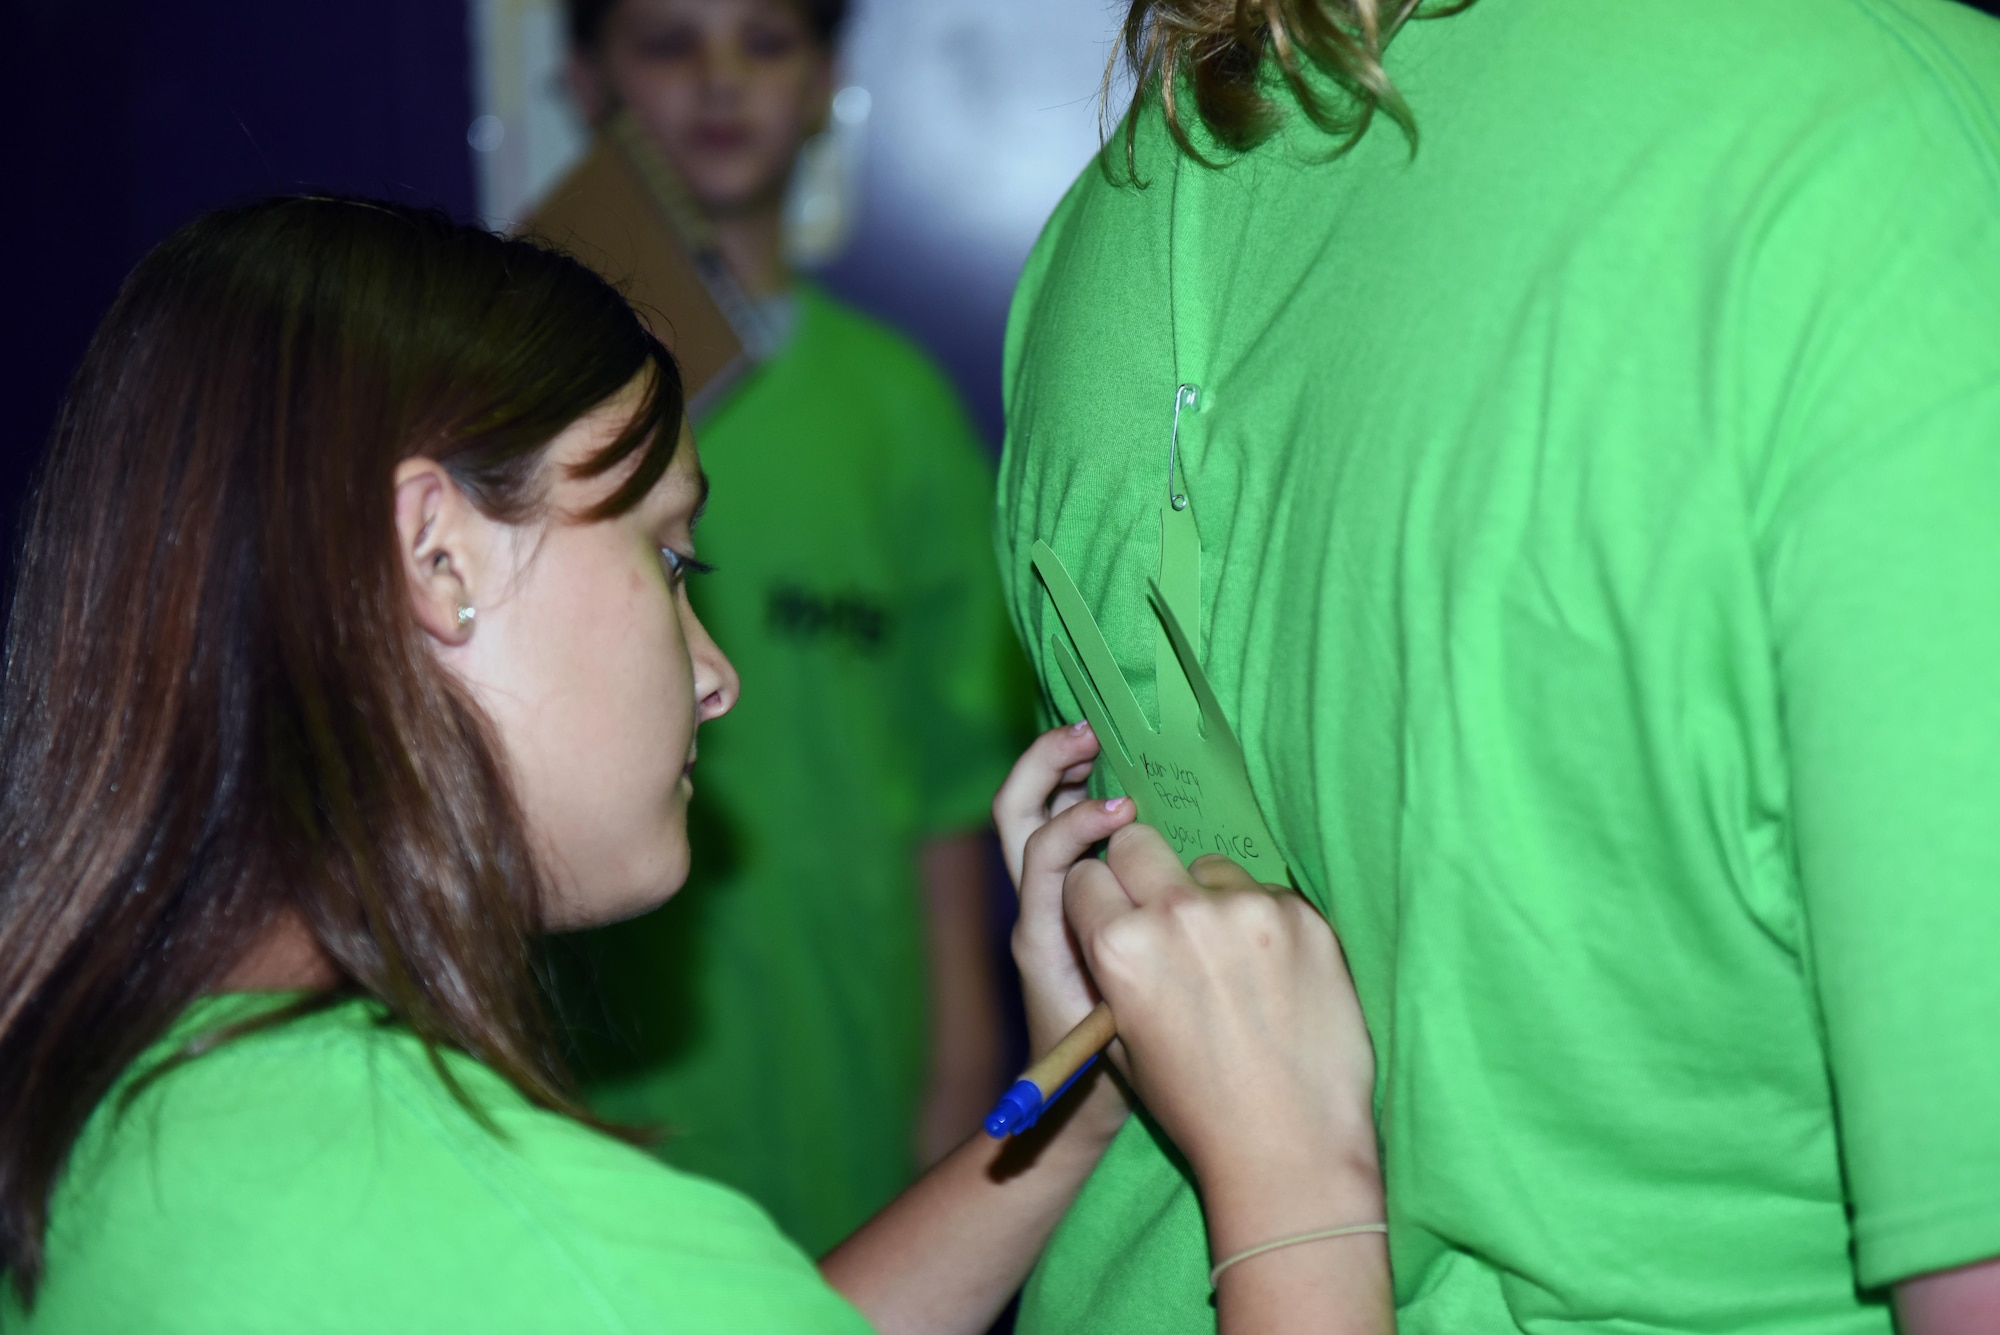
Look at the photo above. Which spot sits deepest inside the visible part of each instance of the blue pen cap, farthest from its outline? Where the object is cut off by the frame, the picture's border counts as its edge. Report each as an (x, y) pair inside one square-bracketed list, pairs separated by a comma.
[(1017, 1110)]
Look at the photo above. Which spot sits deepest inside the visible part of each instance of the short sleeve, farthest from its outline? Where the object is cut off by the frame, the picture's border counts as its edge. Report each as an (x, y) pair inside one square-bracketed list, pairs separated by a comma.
[(1872, 335), (969, 688)]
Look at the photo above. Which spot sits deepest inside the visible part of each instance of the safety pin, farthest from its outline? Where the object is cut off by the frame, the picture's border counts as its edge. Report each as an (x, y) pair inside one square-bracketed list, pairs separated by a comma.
[(1186, 396)]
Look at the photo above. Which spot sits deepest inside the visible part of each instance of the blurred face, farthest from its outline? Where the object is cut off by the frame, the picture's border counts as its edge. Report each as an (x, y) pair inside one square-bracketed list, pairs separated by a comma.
[(585, 653), (728, 89)]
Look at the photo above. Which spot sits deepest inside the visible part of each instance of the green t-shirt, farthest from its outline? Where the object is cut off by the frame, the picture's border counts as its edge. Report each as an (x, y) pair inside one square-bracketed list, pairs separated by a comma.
[(1600, 516), (319, 1176), (773, 1015)]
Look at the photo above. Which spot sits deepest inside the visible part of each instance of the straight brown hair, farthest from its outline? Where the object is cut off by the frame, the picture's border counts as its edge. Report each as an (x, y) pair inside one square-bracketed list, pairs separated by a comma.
[(217, 706)]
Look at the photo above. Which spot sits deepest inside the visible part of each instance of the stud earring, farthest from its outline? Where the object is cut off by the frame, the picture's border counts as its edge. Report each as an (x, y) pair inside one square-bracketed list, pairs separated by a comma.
[(466, 611)]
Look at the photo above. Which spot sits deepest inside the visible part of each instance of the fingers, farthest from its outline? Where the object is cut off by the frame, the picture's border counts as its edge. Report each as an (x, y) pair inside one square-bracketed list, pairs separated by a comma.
[(1053, 849), (1140, 871), (1234, 1005), (1047, 858), (1147, 866), (1093, 898), (1074, 788), (1054, 988), (1212, 871), (1044, 780)]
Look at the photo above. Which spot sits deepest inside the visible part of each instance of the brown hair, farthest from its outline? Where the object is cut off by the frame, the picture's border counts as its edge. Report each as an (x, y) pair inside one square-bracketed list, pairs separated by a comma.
[(1224, 50), (587, 19), (217, 706)]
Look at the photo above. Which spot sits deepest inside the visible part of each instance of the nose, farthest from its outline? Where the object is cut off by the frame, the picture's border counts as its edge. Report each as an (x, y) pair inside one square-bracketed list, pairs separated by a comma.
[(716, 685), (724, 71)]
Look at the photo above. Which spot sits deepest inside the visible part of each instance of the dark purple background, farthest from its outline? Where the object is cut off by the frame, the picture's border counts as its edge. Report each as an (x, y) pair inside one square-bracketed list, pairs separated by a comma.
[(127, 119)]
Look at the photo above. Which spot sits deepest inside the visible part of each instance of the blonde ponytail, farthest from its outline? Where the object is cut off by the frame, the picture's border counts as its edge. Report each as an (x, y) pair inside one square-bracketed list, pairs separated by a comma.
[(1218, 49)]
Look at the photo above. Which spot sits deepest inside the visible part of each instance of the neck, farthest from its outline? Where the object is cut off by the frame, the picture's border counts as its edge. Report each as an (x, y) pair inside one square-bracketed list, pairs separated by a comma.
[(752, 244), (287, 958)]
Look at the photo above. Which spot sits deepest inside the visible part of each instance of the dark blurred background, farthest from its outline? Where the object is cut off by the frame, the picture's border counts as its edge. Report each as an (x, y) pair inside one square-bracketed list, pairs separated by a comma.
[(131, 117)]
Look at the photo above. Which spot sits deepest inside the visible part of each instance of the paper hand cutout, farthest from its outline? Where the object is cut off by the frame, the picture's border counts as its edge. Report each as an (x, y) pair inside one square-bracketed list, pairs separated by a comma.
[(1187, 777)]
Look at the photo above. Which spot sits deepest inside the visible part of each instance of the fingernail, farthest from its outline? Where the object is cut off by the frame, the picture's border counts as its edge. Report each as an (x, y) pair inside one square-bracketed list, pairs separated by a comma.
[(1114, 806), (1080, 727)]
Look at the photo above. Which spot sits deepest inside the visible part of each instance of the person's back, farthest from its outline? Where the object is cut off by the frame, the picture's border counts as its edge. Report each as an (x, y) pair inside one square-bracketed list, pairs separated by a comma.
[(320, 1175), (1597, 514)]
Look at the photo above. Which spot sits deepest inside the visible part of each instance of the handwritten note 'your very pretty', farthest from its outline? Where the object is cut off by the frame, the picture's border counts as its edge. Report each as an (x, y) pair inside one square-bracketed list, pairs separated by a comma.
[(1187, 776)]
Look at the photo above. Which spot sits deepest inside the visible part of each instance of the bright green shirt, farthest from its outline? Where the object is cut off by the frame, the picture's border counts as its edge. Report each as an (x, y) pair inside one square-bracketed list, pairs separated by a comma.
[(773, 1016), (1600, 516), (319, 1176)]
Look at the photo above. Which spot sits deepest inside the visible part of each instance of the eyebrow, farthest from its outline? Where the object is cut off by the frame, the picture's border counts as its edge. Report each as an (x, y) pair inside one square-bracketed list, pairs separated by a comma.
[(701, 499)]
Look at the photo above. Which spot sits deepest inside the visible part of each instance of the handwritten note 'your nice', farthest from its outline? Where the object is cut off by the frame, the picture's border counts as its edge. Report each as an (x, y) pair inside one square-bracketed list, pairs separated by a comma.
[(1187, 776)]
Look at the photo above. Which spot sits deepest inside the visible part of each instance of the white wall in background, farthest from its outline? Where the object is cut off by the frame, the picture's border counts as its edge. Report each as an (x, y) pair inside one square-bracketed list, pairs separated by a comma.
[(525, 131), (984, 112), (976, 114)]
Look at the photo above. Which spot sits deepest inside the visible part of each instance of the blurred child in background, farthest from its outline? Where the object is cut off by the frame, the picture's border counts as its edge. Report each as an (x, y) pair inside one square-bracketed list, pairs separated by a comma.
[(838, 948)]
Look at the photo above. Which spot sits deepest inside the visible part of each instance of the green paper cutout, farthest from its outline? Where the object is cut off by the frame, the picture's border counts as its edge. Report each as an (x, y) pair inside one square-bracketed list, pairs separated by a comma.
[(1187, 777)]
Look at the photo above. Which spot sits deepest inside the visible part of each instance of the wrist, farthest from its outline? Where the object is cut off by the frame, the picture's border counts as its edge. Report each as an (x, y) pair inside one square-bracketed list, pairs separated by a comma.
[(1264, 1186), (1264, 1133)]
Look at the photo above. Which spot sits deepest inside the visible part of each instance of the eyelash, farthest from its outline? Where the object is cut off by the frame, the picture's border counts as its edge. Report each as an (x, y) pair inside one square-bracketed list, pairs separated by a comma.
[(680, 565)]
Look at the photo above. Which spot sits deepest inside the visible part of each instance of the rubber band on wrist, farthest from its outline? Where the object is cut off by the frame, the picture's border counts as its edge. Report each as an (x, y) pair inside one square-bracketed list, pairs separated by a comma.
[(1293, 1241)]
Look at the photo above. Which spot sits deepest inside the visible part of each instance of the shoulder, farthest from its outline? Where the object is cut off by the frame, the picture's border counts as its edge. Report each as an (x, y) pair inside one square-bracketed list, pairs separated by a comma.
[(1102, 247), (1942, 63), (1926, 72), (865, 390), (1776, 69), (870, 350), (1944, 43), (1119, 191), (885, 398), (327, 1163)]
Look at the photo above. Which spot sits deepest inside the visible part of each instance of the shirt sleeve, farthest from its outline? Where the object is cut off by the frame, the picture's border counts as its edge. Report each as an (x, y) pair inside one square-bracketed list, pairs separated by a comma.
[(969, 692), (1873, 339)]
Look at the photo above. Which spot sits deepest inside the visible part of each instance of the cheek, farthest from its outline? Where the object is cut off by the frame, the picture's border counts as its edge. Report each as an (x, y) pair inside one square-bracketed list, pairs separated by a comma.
[(778, 107), (631, 659), (608, 696), (612, 726), (665, 98)]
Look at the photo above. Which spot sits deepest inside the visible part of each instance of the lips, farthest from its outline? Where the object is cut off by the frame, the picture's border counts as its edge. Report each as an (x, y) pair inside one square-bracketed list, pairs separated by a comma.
[(721, 138)]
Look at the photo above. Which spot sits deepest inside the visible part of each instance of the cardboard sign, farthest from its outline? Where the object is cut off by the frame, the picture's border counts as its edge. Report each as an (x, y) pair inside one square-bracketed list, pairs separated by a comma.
[(622, 212)]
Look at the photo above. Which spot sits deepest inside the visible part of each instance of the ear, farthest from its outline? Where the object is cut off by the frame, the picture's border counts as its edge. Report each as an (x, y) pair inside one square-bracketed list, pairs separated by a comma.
[(439, 542), (587, 84)]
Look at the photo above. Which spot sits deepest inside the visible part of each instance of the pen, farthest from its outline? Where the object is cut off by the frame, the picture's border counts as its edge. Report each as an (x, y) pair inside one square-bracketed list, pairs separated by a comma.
[(1020, 1107)]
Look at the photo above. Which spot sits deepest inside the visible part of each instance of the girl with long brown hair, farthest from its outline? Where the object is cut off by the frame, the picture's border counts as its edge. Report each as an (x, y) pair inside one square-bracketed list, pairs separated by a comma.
[(350, 651)]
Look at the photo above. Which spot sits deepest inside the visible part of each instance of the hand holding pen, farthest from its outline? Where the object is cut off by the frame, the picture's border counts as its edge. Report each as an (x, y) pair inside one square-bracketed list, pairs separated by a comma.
[(1164, 914), (1239, 1030), (1046, 823)]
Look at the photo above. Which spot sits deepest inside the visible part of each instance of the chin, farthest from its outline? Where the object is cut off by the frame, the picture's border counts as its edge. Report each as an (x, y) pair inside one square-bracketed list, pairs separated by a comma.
[(664, 876), (676, 877), (726, 189), (653, 881)]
